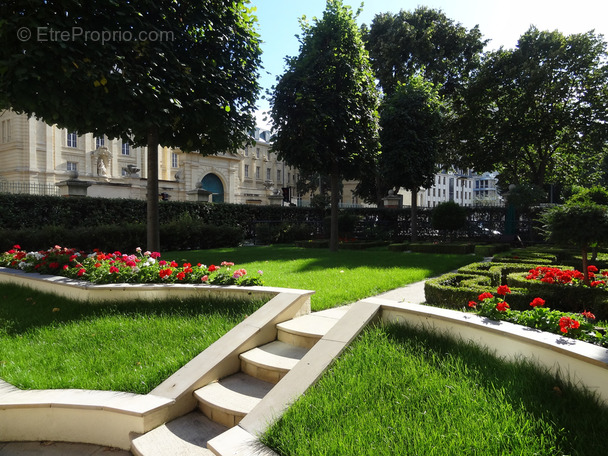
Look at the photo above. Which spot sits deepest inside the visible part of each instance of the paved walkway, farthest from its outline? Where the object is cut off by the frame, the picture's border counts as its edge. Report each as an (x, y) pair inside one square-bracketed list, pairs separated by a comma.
[(413, 293)]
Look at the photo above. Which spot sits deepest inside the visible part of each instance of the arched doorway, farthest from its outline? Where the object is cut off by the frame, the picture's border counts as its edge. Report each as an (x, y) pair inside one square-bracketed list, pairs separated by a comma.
[(213, 184)]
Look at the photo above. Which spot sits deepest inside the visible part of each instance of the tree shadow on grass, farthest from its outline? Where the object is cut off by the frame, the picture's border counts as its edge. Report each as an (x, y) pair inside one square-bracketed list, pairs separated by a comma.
[(322, 259), (24, 309), (575, 414)]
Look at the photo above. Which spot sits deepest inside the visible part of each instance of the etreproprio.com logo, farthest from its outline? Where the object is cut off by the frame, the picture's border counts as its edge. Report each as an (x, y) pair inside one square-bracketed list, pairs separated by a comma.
[(46, 34)]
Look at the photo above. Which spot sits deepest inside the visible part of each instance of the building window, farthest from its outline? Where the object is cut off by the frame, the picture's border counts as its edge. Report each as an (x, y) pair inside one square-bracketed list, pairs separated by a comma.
[(257, 172), (246, 153), (246, 170), (257, 152), (72, 166), (6, 131), (72, 139), (100, 141), (278, 176), (174, 160), (268, 170), (288, 177), (126, 149)]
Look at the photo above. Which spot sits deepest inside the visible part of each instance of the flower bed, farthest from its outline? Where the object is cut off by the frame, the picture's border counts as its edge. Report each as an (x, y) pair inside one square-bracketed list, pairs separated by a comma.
[(117, 267), (575, 325)]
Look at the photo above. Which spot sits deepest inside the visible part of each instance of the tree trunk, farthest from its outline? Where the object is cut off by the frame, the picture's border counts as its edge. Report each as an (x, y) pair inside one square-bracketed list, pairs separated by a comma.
[(153, 223), (586, 280), (414, 216), (335, 201)]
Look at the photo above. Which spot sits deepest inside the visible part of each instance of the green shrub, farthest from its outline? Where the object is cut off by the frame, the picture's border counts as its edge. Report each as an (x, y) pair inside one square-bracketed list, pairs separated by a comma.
[(447, 248), (498, 272), (399, 247), (488, 250), (564, 297), (178, 235), (455, 290), (362, 245), (448, 216)]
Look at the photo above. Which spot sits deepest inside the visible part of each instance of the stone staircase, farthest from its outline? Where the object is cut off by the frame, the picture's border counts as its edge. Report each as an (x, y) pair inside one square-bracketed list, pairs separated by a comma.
[(222, 404)]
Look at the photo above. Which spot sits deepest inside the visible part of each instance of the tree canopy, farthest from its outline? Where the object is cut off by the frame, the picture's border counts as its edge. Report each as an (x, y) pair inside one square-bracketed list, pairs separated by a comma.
[(324, 107), (423, 41), (410, 122), (538, 113), (182, 74)]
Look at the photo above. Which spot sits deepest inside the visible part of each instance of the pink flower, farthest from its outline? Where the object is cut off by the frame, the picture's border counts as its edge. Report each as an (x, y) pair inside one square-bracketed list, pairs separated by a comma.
[(239, 273), (227, 263), (204, 278)]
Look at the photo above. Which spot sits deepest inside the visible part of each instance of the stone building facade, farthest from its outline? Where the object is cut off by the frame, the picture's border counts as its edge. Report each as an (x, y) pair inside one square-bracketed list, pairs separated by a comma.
[(39, 158)]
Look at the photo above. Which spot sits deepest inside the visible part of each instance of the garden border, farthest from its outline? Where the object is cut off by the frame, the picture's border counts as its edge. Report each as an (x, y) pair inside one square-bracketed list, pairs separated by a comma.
[(112, 418)]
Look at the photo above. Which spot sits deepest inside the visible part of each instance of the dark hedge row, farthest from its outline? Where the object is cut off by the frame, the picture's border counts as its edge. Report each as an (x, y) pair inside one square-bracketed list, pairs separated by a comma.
[(27, 211), (126, 237)]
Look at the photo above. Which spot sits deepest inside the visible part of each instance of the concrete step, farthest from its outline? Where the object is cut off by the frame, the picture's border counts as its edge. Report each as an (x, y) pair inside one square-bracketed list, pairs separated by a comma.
[(228, 400), (305, 331), (184, 436), (272, 361)]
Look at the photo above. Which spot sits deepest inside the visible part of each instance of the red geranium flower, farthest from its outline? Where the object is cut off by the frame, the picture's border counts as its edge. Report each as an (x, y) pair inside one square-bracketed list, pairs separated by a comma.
[(486, 295), (213, 268), (472, 304), (588, 315), (503, 290), (502, 306), (537, 302)]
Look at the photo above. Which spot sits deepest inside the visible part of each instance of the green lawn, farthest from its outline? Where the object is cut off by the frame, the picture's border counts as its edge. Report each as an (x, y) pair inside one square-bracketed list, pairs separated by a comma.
[(338, 278), (50, 342), (403, 391)]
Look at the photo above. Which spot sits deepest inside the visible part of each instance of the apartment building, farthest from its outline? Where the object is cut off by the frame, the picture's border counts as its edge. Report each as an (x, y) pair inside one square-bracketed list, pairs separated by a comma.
[(39, 158)]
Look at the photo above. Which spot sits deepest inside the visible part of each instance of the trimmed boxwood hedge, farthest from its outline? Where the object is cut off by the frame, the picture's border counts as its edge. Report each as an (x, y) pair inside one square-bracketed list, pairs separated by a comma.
[(442, 248), (177, 235), (403, 247), (488, 250), (454, 290), (498, 272), (564, 297)]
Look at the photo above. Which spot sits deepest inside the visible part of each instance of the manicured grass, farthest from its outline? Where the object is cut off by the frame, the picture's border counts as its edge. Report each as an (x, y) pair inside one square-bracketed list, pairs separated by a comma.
[(51, 342), (401, 391), (338, 278)]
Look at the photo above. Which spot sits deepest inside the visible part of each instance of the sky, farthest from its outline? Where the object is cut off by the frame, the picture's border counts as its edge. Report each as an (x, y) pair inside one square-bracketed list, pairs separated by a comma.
[(502, 22)]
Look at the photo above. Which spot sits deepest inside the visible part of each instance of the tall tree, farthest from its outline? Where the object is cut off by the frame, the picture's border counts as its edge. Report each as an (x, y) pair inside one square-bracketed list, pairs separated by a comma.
[(410, 121), (538, 113), (324, 107), (181, 74), (421, 42), (424, 41)]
